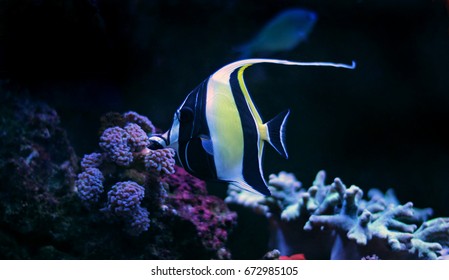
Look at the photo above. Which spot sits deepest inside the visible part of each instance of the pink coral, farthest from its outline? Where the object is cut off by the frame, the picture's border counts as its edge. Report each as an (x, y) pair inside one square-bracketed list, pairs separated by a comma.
[(209, 214)]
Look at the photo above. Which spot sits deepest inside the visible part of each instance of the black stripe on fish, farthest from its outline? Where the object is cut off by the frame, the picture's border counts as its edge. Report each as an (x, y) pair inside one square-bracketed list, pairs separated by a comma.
[(251, 167), (193, 130)]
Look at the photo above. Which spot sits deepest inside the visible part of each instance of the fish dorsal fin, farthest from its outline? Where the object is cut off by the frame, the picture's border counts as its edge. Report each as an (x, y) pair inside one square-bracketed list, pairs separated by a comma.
[(224, 73), (276, 132), (276, 127)]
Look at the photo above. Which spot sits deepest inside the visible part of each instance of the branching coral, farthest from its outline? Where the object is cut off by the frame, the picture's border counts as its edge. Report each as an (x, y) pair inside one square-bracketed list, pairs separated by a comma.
[(285, 192), (431, 240), (354, 227)]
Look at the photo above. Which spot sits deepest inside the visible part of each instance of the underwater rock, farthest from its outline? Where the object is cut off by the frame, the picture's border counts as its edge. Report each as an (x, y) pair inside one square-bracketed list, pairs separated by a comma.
[(37, 171), (337, 220)]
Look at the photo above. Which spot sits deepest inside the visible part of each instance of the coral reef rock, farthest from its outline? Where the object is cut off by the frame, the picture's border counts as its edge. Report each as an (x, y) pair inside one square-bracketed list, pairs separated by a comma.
[(37, 173), (126, 202)]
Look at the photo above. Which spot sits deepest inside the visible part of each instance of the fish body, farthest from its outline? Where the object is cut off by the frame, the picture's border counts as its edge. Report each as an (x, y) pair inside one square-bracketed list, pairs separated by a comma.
[(283, 33), (219, 134)]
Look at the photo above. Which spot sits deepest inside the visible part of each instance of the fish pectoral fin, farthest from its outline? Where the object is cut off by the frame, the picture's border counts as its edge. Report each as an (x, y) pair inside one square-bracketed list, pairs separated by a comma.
[(276, 133), (207, 145)]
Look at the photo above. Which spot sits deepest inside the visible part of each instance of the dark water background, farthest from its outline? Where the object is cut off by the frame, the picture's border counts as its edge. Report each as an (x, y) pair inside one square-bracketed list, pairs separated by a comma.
[(383, 125)]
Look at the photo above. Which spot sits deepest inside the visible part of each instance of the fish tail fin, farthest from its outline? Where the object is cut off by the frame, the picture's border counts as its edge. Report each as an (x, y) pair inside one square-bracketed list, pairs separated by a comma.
[(276, 132)]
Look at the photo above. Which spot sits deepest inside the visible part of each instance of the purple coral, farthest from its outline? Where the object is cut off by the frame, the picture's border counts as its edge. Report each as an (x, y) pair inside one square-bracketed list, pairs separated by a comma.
[(142, 121), (114, 141), (175, 194), (160, 161), (138, 139), (124, 142), (90, 184), (93, 160), (124, 200), (125, 197), (138, 222), (123, 145)]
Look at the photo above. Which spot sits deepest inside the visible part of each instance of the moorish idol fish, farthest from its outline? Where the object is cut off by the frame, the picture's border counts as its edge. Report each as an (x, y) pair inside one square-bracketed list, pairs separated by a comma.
[(218, 133)]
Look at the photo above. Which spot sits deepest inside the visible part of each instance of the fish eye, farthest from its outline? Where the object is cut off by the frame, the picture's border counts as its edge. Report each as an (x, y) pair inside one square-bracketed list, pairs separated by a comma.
[(185, 115)]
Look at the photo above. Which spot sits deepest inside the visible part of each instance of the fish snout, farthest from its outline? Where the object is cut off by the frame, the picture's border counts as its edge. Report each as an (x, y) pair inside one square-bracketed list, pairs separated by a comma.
[(157, 142)]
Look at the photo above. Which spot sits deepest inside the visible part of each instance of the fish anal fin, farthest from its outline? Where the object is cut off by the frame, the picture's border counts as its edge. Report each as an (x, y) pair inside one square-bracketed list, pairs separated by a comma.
[(276, 132), (261, 190)]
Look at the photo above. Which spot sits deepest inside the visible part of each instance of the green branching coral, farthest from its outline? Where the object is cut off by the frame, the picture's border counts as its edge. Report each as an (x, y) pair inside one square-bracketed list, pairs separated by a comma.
[(356, 227)]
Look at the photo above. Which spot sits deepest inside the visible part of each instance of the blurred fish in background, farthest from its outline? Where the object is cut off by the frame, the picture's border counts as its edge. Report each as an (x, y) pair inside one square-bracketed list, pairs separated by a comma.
[(283, 33)]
